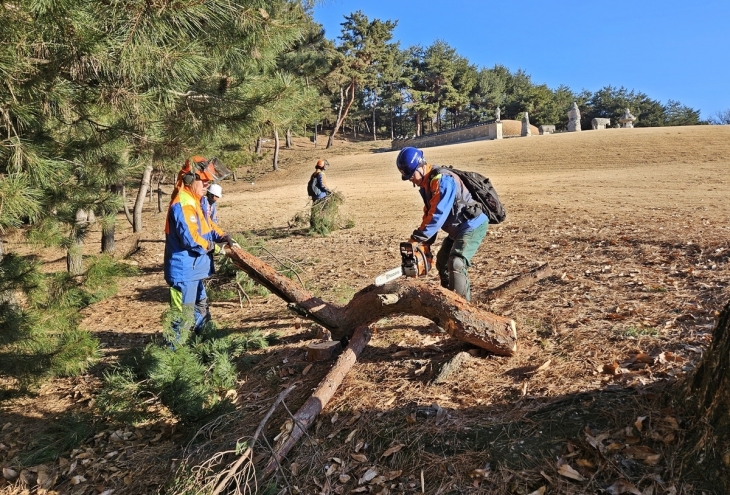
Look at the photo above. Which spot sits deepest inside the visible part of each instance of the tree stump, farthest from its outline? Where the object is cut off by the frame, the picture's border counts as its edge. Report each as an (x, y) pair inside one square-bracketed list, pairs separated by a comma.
[(322, 351)]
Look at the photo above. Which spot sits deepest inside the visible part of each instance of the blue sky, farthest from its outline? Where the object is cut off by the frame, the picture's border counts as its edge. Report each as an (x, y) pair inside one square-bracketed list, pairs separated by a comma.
[(665, 49)]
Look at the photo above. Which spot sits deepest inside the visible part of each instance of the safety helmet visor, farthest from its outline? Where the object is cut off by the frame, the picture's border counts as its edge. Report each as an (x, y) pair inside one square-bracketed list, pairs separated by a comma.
[(206, 170), (206, 175)]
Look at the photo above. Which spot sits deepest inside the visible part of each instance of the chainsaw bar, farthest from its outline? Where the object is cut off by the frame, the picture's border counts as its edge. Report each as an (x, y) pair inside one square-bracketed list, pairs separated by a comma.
[(388, 276)]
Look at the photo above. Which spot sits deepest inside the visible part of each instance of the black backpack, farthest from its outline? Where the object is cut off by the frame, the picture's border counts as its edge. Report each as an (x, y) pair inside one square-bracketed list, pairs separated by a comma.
[(482, 192), (312, 189)]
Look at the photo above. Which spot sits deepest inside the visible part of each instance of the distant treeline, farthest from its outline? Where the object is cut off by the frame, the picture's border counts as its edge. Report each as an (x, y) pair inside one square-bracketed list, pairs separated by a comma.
[(389, 92), (100, 97)]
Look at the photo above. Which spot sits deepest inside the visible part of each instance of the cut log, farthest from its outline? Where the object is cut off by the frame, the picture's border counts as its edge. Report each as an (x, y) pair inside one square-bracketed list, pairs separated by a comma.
[(306, 415), (450, 311), (520, 282), (322, 351)]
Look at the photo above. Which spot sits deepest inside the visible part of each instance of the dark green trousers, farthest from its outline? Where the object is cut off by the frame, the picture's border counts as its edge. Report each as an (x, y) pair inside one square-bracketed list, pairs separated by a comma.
[(454, 259)]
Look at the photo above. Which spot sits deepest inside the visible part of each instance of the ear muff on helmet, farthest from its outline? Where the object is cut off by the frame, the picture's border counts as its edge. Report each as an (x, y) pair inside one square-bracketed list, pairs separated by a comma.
[(188, 178), (196, 167)]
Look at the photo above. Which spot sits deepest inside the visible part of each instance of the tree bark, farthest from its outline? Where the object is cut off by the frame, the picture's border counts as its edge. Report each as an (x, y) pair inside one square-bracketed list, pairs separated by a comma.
[(453, 313), (276, 149), (288, 138), (342, 113), (74, 253), (258, 145), (375, 134), (160, 193), (74, 258), (139, 203), (108, 227), (392, 125), (108, 224), (711, 387), (306, 414), (7, 296)]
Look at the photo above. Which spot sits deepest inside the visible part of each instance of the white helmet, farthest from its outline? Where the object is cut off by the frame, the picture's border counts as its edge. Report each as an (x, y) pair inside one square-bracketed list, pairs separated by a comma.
[(215, 190)]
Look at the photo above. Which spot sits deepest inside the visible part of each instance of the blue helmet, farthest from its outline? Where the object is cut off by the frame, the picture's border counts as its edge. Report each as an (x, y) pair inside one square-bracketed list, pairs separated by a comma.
[(408, 161)]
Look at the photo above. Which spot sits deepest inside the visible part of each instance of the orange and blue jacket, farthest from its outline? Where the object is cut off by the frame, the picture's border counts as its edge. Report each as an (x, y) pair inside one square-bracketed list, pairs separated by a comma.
[(445, 198), (189, 239)]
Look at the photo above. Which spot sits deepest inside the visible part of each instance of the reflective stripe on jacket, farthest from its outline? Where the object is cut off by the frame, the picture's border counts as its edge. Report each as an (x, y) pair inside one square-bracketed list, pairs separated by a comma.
[(444, 197), (188, 237)]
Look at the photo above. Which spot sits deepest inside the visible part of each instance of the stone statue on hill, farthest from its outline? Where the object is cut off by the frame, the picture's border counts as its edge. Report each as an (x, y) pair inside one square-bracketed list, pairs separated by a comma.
[(574, 118), (627, 120), (497, 114), (526, 131)]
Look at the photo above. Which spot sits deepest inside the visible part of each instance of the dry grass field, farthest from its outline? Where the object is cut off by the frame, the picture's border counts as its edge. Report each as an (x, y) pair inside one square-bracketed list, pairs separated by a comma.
[(635, 224)]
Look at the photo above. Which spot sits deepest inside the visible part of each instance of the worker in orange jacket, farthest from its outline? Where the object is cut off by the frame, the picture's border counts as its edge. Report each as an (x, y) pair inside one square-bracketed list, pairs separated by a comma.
[(190, 242)]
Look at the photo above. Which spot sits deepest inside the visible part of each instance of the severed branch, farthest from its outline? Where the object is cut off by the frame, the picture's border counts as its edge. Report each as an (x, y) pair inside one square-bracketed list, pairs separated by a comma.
[(306, 414), (520, 282), (310, 306), (460, 319)]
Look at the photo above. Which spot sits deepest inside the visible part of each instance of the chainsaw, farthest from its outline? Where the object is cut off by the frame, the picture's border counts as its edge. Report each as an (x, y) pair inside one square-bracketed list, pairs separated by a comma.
[(415, 262)]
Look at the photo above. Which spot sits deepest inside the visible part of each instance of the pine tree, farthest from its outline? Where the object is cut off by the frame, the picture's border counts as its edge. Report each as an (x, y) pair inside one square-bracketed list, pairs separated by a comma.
[(364, 45)]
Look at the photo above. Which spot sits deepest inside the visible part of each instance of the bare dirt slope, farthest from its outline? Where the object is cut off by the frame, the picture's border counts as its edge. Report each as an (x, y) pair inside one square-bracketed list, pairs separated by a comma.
[(635, 223)]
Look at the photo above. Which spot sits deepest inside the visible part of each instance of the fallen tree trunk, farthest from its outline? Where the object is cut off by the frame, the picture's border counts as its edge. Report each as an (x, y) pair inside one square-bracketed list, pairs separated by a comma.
[(453, 313), (306, 414)]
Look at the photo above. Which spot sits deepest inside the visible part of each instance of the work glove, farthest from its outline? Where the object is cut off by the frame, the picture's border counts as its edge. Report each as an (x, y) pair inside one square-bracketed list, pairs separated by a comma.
[(226, 239)]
